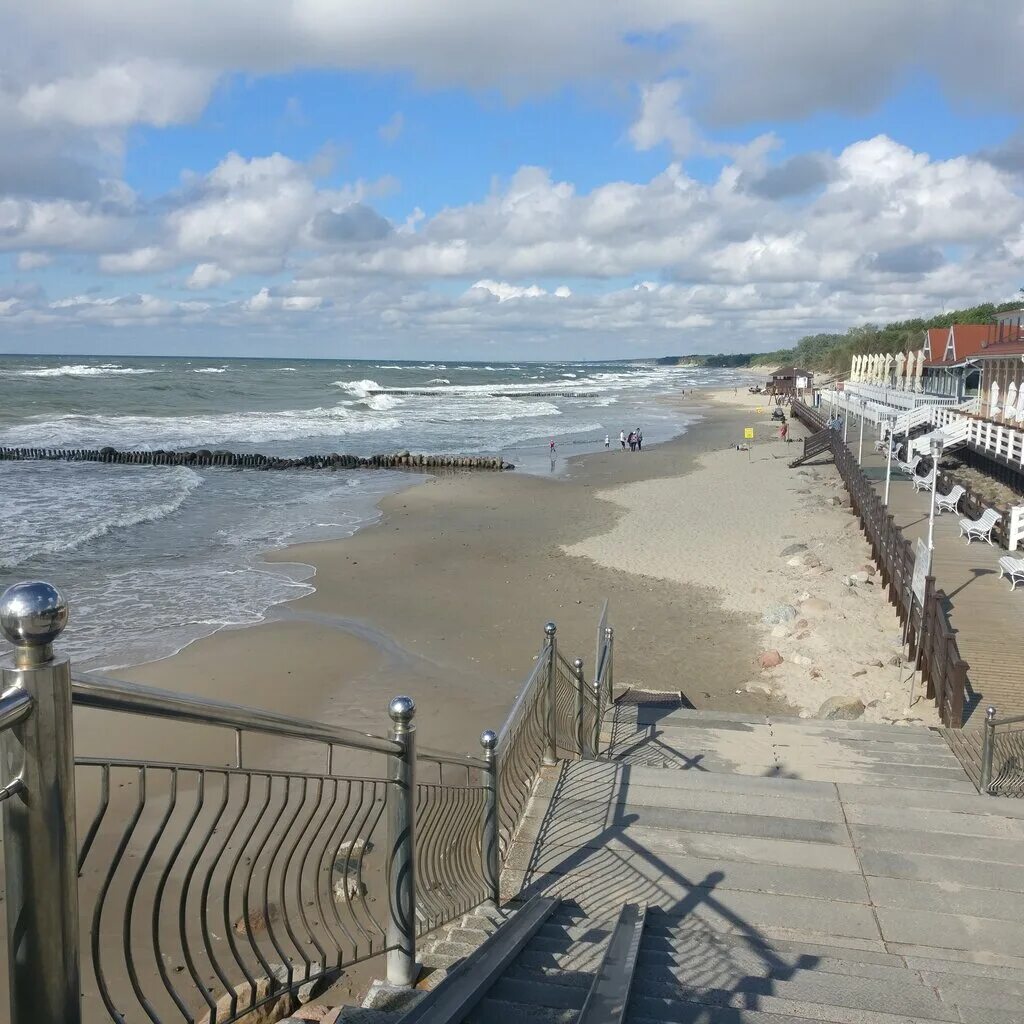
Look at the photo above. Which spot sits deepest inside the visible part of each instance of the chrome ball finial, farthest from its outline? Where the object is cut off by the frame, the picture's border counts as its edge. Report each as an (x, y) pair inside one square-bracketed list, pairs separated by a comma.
[(402, 709), (488, 739), (33, 614), (550, 629), (990, 713)]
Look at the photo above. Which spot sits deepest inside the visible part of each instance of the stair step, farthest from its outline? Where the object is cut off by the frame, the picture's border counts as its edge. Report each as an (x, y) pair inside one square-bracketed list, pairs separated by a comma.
[(498, 1011), (537, 992)]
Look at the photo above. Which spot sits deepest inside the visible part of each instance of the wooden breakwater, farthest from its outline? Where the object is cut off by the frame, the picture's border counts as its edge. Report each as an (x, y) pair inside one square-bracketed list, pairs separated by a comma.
[(203, 457), (443, 393)]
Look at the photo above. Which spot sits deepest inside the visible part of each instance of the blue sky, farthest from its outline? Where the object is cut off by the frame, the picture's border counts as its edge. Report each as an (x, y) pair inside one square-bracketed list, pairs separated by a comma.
[(456, 181)]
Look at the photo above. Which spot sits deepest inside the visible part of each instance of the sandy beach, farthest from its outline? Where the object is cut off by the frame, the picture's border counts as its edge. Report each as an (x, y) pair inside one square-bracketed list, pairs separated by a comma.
[(445, 598)]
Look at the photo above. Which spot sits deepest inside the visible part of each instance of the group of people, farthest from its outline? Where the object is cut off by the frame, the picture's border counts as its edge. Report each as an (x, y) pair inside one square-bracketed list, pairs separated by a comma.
[(635, 440)]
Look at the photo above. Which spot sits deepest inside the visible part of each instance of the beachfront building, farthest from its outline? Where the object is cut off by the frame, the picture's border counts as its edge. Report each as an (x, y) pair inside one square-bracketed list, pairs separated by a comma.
[(1001, 369), (951, 360), (790, 380)]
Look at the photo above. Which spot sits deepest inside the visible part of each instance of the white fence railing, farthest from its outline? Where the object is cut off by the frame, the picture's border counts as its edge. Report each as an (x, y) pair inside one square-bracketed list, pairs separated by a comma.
[(1015, 529), (898, 398)]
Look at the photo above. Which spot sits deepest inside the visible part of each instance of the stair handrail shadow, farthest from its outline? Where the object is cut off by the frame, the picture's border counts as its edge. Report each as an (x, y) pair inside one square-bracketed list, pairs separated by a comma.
[(611, 823)]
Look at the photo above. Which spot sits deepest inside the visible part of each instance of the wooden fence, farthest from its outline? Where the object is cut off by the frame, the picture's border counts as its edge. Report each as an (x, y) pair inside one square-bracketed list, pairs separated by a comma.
[(933, 645)]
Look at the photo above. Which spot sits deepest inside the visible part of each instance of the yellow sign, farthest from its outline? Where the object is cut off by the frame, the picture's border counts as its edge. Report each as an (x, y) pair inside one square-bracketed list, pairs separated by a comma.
[(748, 433)]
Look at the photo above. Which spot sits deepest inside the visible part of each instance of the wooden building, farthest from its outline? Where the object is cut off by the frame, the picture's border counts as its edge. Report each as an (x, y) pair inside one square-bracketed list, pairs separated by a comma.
[(951, 359), (1001, 361), (790, 380)]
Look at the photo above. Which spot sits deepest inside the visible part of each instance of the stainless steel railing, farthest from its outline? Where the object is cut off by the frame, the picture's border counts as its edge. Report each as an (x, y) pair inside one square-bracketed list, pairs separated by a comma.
[(205, 891), (1002, 755)]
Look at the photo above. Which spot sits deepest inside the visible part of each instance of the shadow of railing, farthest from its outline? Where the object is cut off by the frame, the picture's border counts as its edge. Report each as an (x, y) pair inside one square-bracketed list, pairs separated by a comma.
[(591, 854)]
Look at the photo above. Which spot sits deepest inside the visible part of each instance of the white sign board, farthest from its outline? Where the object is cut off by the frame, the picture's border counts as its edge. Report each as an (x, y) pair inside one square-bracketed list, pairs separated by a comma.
[(801, 383), (922, 566)]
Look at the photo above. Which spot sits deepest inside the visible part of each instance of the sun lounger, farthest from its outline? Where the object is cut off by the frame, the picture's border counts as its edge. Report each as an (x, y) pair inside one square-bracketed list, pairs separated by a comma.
[(949, 502), (922, 483), (910, 468), (980, 528), (1012, 569)]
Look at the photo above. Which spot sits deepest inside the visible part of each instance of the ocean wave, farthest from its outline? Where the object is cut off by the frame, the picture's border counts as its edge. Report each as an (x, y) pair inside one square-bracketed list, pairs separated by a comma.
[(439, 380), (359, 388), (101, 521), (381, 403), (211, 369), (82, 370), (210, 430)]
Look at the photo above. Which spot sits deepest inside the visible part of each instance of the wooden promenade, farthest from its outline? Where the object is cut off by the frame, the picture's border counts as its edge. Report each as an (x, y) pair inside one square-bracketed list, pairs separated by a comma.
[(987, 617)]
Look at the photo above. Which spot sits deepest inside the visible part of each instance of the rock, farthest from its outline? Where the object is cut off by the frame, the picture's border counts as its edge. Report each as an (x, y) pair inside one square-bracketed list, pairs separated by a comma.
[(780, 631), (758, 688), (845, 709), (804, 713), (801, 660), (870, 569), (860, 672), (847, 581), (793, 549), (860, 577), (896, 659), (815, 607), (316, 981), (779, 613), (770, 659), (267, 1013), (258, 919), (319, 1014)]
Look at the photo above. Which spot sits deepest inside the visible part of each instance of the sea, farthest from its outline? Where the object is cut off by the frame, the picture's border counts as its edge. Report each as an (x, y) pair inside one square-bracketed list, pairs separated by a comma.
[(153, 558)]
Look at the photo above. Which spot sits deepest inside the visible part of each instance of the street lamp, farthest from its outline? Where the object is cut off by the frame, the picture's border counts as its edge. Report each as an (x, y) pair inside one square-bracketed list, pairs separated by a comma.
[(846, 425), (860, 443), (936, 447), (888, 460)]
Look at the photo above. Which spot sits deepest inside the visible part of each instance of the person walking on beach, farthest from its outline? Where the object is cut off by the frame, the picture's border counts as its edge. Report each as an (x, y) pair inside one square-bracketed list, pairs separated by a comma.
[(632, 441), (607, 441), (551, 446), (784, 431), (639, 440), (622, 439)]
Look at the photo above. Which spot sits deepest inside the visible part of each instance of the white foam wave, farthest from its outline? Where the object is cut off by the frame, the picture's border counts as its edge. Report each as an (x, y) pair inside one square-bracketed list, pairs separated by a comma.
[(211, 369), (110, 512), (439, 380), (382, 403), (82, 370), (359, 388), (211, 430)]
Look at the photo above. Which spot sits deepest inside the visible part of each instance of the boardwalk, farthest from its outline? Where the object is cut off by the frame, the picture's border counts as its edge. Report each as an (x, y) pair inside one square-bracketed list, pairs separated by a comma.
[(989, 620)]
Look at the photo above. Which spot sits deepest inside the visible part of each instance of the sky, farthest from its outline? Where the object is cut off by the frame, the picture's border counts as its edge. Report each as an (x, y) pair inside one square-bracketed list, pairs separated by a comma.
[(485, 180)]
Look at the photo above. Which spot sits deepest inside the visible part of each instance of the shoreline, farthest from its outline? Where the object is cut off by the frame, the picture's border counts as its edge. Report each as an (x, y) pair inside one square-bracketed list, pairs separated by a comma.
[(373, 603), (506, 552)]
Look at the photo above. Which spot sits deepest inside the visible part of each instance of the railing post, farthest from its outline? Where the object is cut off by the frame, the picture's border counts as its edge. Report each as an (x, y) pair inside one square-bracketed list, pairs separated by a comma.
[(489, 852), (401, 804), (609, 639), (551, 745), (581, 697), (988, 751), (40, 841)]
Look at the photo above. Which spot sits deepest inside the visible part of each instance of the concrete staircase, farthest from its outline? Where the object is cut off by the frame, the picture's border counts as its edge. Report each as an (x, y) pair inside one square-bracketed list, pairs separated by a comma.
[(792, 870)]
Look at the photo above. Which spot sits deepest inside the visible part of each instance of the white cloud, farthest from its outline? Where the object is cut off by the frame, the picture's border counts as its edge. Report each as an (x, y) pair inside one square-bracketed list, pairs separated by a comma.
[(137, 91), (135, 261), (662, 120), (392, 128), (34, 260), (207, 275)]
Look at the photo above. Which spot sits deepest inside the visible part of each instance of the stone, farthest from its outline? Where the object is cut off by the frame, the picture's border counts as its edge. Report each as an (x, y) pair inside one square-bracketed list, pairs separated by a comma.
[(840, 708), (258, 919), (318, 1014), (870, 569), (793, 549), (860, 577), (316, 980), (860, 672), (770, 659), (269, 1012), (815, 607), (758, 688), (804, 713), (802, 660), (779, 613)]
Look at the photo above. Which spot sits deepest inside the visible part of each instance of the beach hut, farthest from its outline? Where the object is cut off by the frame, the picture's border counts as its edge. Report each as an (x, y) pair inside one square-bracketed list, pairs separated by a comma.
[(790, 381)]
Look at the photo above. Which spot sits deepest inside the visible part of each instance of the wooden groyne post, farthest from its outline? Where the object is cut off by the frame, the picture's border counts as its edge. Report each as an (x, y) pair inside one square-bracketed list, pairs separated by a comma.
[(204, 457)]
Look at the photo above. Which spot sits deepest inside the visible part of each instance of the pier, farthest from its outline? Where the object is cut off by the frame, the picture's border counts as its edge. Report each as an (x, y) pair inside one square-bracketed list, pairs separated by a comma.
[(204, 457)]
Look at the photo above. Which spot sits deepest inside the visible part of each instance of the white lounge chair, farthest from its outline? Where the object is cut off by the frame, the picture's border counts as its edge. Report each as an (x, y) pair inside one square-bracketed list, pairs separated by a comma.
[(1013, 569), (981, 527), (922, 483), (949, 502), (910, 468)]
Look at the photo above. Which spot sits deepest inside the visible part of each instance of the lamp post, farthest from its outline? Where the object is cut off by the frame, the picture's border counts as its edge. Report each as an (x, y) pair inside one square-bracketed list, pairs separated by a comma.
[(888, 460), (860, 443), (936, 447)]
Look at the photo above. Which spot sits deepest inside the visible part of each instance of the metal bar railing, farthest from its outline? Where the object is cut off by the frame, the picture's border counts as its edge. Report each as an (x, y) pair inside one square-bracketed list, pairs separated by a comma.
[(254, 882), (1002, 755)]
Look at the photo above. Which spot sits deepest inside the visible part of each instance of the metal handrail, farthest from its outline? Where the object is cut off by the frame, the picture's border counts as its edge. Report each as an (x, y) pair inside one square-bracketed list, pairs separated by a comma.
[(95, 691), (213, 840), (988, 775)]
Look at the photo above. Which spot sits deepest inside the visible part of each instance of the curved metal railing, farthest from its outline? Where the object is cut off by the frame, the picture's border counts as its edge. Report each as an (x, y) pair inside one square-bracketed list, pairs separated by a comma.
[(205, 891)]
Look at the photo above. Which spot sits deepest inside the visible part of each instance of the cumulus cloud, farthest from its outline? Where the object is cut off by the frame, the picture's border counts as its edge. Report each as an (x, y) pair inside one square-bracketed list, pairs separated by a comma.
[(34, 260), (207, 275), (662, 120), (503, 291)]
